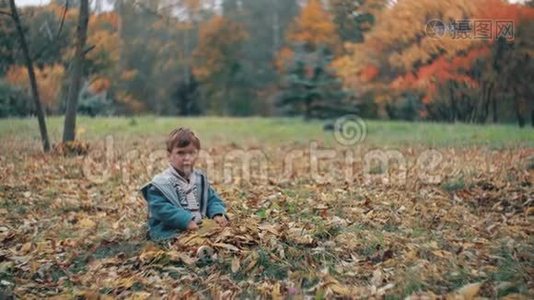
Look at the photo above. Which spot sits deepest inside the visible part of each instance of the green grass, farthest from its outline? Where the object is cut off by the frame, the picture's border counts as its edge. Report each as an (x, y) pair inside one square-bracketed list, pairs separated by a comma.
[(257, 130), (454, 184)]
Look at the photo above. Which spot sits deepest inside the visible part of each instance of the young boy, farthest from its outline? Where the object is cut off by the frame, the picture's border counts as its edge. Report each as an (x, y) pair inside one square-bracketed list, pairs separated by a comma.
[(181, 196)]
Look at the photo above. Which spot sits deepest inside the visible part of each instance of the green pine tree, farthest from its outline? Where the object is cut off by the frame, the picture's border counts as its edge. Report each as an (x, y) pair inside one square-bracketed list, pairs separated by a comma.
[(310, 87)]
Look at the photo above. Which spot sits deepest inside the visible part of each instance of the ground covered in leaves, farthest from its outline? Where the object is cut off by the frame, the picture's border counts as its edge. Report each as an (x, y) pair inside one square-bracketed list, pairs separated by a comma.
[(73, 224)]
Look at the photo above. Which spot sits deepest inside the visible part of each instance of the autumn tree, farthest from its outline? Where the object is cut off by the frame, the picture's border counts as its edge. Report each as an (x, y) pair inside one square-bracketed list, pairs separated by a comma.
[(449, 71), (266, 21), (150, 75), (354, 18), (218, 67), (48, 78), (309, 85), (314, 28)]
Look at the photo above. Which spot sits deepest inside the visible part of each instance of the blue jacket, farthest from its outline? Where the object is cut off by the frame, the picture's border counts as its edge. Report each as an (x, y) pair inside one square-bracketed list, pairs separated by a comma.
[(167, 217)]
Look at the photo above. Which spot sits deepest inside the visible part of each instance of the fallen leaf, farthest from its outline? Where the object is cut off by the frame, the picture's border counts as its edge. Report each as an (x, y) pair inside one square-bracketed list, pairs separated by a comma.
[(86, 223), (227, 247), (208, 227), (276, 294), (235, 264), (26, 248), (180, 256), (469, 291)]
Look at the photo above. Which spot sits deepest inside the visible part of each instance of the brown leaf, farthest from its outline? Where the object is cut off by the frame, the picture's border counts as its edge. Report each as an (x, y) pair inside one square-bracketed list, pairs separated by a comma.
[(468, 292), (227, 247), (235, 264), (180, 256)]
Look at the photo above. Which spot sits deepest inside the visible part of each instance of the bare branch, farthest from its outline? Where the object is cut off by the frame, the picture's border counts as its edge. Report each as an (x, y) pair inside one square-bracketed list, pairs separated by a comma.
[(62, 19), (89, 49), (41, 51)]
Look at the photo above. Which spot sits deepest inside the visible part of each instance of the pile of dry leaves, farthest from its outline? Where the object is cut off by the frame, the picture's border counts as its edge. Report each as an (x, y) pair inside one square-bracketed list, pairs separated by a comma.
[(68, 233)]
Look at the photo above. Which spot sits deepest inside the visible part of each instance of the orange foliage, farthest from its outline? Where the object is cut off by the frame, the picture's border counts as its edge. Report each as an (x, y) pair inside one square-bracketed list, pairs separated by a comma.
[(501, 10), (103, 33), (314, 26), (369, 72), (217, 43), (130, 101), (283, 58), (430, 76), (398, 42), (48, 78), (107, 18), (99, 85)]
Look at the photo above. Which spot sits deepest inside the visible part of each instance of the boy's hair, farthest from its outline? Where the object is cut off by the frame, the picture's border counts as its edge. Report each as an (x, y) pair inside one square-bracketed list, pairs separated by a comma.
[(182, 137)]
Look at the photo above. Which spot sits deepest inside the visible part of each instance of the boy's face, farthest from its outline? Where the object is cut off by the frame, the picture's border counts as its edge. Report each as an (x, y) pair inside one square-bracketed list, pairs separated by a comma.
[(184, 158)]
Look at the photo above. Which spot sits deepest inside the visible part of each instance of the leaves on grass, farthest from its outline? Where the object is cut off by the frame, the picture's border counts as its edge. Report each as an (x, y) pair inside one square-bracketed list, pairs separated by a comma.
[(66, 235)]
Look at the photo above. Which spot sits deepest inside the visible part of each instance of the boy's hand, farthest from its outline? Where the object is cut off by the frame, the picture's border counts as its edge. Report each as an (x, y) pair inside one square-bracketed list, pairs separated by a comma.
[(221, 220), (192, 225)]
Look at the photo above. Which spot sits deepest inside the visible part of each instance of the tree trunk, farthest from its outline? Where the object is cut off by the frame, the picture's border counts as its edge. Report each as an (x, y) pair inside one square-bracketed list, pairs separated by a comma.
[(517, 104), (31, 74), (480, 102), (307, 109), (275, 28), (494, 106), (520, 119), (487, 102), (452, 116), (69, 130)]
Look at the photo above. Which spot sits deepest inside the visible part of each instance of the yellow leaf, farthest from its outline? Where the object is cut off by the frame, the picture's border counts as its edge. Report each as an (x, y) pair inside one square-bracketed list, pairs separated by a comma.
[(139, 296), (442, 254), (336, 287), (86, 223), (192, 241), (208, 227), (124, 283), (276, 294), (150, 252), (88, 294), (252, 263), (235, 264), (339, 289), (468, 292), (26, 248)]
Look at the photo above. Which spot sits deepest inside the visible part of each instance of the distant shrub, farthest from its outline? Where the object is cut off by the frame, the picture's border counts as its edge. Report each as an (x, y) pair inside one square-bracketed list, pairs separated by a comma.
[(14, 102)]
